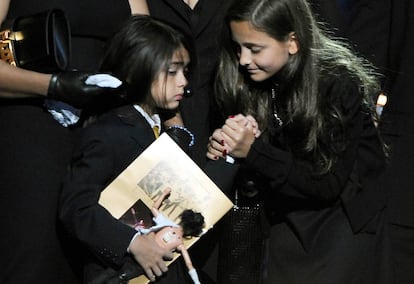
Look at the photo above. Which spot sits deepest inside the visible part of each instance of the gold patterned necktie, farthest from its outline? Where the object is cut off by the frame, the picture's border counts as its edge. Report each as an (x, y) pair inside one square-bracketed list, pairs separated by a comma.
[(156, 130)]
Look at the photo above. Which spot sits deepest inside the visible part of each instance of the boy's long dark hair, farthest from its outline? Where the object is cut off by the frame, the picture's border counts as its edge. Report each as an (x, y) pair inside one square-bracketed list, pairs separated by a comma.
[(139, 51), (319, 54)]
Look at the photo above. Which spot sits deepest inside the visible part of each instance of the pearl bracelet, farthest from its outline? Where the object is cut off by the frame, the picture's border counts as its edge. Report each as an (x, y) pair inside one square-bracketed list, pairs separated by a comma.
[(186, 131)]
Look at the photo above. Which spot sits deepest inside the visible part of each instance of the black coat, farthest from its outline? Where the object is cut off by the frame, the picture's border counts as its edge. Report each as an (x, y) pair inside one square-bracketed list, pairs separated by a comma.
[(398, 120), (381, 31), (324, 226)]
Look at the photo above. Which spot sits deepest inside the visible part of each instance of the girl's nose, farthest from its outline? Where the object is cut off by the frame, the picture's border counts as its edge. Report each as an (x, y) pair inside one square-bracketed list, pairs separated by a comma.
[(245, 57)]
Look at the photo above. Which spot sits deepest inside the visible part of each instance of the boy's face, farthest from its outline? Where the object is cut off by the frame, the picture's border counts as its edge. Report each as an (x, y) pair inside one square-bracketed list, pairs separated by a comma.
[(168, 88)]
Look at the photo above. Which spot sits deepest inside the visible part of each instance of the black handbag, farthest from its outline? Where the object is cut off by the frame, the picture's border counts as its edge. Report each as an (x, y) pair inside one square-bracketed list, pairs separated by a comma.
[(39, 42)]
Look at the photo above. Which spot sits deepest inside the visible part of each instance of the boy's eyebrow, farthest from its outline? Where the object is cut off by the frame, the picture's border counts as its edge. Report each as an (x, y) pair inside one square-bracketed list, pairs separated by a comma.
[(182, 63)]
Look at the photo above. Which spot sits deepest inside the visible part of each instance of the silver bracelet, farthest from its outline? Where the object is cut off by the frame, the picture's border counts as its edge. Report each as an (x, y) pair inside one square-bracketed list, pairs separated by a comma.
[(186, 131)]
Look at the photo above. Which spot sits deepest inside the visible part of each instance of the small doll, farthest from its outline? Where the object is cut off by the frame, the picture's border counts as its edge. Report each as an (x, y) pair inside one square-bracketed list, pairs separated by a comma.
[(170, 235)]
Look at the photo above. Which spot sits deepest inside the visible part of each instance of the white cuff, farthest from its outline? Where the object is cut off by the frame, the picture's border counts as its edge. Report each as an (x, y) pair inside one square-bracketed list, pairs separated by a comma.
[(133, 238), (230, 159)]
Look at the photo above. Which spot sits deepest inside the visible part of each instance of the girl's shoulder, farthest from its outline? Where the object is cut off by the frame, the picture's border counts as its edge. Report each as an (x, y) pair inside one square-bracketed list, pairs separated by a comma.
[(338, 75), (340, 87)]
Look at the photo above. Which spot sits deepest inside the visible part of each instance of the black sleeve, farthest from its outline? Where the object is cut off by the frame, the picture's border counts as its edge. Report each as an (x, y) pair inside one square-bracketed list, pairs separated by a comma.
[(293, 177), (90, 171)]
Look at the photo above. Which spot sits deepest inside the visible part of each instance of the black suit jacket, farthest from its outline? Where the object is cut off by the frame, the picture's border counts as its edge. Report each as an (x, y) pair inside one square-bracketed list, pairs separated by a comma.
[(105, 149)]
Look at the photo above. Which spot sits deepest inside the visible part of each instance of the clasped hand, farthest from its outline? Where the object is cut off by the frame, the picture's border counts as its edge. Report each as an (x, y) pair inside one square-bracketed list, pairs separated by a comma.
[(234, 138)]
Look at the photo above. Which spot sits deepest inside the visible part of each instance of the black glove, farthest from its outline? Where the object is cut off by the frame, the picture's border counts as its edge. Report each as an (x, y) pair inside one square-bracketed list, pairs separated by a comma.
[(71, 87), (182, 136)]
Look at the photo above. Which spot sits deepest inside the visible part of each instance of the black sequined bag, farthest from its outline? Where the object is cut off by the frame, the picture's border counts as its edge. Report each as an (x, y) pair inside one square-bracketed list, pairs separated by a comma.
[(241, 245)]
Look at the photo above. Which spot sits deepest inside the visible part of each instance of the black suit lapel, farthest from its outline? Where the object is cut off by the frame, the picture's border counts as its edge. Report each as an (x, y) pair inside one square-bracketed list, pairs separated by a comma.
[(140, 131)]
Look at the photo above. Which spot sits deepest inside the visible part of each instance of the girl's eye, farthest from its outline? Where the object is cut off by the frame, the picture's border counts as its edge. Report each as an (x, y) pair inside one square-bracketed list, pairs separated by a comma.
[(255, 49)]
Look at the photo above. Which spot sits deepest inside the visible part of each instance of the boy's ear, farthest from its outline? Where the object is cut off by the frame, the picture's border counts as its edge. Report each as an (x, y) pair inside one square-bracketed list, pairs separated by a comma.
[(293, 44)]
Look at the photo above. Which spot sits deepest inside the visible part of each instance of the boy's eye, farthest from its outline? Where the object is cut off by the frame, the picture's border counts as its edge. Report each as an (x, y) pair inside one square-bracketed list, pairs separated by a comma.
[(172, 71)]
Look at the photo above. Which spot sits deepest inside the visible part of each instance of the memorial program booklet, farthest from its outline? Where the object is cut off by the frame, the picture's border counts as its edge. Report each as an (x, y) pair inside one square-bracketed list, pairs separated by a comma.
[(164, 164)]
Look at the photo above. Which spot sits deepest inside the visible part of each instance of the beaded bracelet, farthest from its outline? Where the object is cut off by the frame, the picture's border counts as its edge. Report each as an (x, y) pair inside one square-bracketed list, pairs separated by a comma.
[(186, 131)]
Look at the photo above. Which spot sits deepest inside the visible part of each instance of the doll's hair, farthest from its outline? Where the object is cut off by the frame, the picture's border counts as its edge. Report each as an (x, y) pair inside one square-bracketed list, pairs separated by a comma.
[(192, 223), (141, 49)]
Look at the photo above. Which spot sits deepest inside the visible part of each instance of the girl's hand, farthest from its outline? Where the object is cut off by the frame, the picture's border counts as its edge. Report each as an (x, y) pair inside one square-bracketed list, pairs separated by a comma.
[(239, 133), (234, 138), (255, 126), (215, 147)]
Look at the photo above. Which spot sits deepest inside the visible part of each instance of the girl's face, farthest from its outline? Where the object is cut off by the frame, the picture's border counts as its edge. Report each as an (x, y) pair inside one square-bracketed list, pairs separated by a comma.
[(260, 54), (168, 87)]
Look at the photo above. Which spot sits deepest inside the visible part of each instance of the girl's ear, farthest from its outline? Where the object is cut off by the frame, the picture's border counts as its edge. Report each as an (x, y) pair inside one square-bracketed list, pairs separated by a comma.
[(293, 44)]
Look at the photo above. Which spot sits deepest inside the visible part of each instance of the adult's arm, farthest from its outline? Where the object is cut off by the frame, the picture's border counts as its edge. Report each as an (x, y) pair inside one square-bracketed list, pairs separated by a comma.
[(70, 87), (139, 7), (16, 82), (4, 8)]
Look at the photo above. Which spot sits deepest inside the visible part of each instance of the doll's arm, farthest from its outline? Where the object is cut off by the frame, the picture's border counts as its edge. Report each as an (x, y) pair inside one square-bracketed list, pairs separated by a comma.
[(191, 270), (158, 202), (181, 248)]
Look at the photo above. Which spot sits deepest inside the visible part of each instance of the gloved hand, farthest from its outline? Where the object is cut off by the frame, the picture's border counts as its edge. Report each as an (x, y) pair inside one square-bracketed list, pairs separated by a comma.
[(81, 89), (182, 136)]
